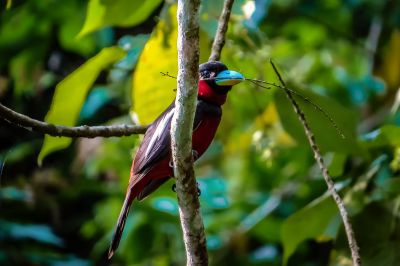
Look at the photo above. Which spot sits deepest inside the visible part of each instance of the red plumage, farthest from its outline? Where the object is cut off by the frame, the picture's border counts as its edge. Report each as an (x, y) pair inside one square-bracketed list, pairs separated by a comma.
[(151, 166)]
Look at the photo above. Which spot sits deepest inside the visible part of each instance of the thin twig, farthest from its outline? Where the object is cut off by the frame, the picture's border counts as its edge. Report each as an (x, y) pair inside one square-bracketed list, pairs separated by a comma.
[(372, 41), (328, 179), (260, 83), (219, 40), (304, 98), (15, 118)]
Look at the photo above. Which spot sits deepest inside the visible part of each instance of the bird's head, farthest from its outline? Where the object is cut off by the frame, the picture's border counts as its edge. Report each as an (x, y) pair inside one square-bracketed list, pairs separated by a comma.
[(216, 81)]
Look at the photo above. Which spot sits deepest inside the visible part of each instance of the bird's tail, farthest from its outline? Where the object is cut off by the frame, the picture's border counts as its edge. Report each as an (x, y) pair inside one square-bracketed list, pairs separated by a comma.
[(130, 196)]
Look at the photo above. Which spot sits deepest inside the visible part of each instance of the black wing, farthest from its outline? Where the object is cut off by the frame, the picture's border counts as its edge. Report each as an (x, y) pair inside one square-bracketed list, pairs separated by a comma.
[(156, 144)]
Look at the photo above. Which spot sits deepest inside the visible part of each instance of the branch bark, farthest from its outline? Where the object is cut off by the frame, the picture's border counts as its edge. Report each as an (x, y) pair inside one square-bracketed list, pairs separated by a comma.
[(219, 40), (328, 179), (181, 132), (31, 124)]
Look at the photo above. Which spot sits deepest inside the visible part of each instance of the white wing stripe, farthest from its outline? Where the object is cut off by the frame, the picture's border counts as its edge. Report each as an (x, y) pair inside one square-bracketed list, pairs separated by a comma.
[(161, 127)]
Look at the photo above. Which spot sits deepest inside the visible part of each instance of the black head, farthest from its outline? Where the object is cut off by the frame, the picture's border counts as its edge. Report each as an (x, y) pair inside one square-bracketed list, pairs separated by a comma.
[(218, 77)]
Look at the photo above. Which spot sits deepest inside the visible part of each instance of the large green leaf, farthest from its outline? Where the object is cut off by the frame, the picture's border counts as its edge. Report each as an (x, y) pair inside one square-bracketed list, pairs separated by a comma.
[(152, 92), (316, 220), (70, 95), (102, 13), (326, 136)]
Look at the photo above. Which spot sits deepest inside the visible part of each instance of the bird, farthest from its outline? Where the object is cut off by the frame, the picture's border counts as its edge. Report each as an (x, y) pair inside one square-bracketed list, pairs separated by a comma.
[(152, 165)]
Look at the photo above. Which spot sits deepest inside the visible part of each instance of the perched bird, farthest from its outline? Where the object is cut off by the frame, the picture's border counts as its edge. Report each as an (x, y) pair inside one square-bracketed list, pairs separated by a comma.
[(152, 165)]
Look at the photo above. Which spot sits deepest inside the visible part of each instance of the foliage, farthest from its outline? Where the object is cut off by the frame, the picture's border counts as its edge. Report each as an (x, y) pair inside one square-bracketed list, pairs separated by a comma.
[(263, 198)]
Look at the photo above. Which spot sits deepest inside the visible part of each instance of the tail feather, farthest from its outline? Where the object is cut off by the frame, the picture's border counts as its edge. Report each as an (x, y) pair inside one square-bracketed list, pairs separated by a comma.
[(121, 223)]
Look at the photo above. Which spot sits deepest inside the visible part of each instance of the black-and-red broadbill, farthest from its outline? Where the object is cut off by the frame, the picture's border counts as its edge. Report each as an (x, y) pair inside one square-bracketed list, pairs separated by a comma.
[(152, 164)]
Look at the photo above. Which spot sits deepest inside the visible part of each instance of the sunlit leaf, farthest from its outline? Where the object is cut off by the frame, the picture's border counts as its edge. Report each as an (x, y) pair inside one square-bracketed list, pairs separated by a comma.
[(70, 95), (152, 92), (102, 13), (311, 222), (391, 62), (9, 3), (67, 36), (336, 167)]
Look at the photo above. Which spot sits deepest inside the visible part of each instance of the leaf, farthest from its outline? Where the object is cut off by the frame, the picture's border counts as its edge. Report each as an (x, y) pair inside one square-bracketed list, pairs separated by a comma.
[(152, 92), (214, 194), (70, 95), (103, 13), (37, 232), (336, 167), (9, 4), (166, 204), (313, 221), (386, 135), (327, 137)]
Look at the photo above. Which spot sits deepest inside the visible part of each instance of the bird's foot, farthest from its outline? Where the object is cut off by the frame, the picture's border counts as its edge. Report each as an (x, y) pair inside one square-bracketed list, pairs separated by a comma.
[(198, 189), (195, 155)]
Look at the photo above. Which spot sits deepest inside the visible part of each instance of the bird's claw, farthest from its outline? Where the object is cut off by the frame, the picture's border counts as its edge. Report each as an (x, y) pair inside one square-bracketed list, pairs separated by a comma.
[(173, 188), (195, 155), (198, 190)]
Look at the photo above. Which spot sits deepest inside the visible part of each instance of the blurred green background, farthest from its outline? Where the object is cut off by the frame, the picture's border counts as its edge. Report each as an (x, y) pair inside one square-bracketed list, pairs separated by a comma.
[(263, 199)]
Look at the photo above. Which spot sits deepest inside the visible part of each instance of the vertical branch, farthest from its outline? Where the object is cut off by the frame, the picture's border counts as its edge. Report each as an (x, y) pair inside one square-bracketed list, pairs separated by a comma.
[(328, 179), (181, 132), (219, 40)]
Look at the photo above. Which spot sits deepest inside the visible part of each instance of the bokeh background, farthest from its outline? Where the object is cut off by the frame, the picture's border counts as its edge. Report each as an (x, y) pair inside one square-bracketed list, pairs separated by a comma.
[(264, 201)]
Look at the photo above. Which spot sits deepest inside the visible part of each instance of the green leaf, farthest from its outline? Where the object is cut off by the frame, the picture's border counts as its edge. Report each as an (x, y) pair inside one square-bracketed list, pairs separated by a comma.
[(166, 204), (327, 137), (38, 232), (152, 92), (103, 13), (70, 95), (9, 4), (315, 220), (336, 167), (386, 135)]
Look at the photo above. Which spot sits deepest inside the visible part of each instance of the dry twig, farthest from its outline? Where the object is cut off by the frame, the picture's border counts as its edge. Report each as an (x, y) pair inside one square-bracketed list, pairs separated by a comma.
[(328, 179), (31, 124), (219, 40)]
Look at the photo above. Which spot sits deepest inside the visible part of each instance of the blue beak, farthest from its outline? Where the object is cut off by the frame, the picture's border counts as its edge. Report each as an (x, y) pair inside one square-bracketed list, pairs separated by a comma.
[(228, 78)]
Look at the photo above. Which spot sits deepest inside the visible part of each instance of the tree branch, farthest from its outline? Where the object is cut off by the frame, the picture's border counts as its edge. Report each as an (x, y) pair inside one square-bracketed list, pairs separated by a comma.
[(31, 124), (328, 179), (181, 132), (219, 40)]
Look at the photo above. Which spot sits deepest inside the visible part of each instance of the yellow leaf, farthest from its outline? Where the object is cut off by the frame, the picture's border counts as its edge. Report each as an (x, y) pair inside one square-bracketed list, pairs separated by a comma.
[(391, 62), (70, 95), (123, 13), (152, 92)]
